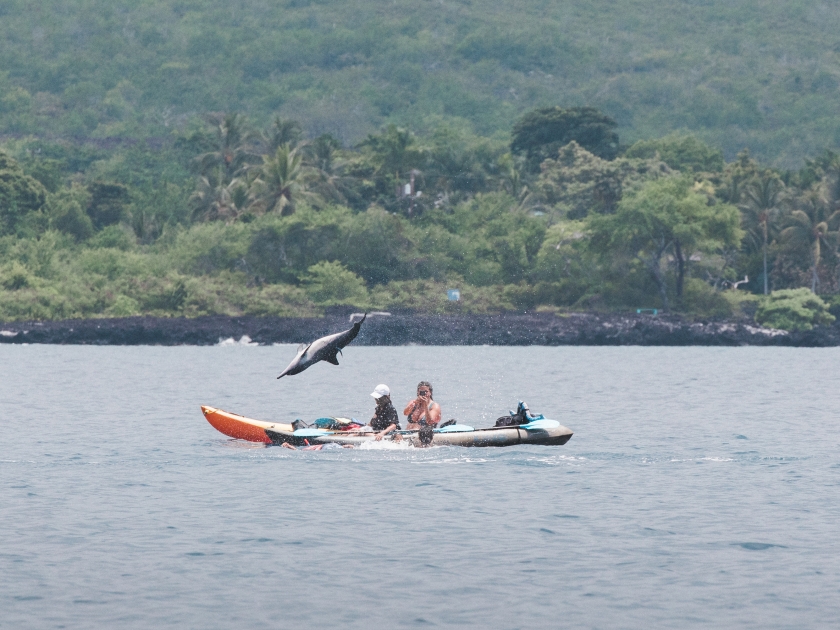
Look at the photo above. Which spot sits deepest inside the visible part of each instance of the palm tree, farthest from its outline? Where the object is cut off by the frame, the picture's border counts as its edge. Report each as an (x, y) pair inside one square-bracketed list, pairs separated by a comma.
[(219, 199), (322, 152), (761, 208), (829, 186), (510, 176), (283, 131), (393, 150), (811, 226), (327, 168), (830, 191), (737, 176), (233, 151), (281, 181), (512, 182), (393, 155)]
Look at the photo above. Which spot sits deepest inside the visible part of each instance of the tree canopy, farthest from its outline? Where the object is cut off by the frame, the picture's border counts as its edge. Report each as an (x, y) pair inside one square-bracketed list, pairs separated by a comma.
[(223, 219), (576, 182), (663, 216), (539, 134), (680, 152), (20, 195)]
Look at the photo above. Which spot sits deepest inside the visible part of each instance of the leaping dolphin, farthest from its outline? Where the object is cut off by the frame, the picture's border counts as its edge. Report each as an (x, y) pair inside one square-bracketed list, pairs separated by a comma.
[(323, 349)]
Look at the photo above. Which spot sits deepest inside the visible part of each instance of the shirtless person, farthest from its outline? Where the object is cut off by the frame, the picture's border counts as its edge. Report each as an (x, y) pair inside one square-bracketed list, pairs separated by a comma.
[(423, 410)]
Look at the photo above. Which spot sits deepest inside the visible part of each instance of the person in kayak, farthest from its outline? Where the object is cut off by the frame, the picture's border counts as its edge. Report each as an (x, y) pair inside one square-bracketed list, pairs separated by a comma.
[(385, 418), (425, 436), (423, 410)]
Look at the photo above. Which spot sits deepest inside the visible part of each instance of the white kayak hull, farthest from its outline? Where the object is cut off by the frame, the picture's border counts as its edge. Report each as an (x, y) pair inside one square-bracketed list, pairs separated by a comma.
[(495, 436)]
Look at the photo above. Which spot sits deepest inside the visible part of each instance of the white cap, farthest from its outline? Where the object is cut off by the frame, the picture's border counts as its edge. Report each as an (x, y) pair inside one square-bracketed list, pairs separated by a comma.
[(380, 391)]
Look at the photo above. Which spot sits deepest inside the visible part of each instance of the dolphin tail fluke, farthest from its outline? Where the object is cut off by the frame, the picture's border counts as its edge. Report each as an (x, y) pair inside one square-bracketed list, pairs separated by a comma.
[(350, 335)]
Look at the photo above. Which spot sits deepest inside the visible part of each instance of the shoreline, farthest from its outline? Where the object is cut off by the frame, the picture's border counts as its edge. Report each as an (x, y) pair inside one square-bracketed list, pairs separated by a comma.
[(508, 329)]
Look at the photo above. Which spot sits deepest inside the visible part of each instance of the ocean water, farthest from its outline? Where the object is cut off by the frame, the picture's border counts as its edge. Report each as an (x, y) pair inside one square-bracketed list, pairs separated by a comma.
[(701, 490)]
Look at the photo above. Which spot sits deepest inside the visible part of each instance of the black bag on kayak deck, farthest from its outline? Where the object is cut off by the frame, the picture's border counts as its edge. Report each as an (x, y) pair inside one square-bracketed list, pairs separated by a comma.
[(508, 421), (515, 419)]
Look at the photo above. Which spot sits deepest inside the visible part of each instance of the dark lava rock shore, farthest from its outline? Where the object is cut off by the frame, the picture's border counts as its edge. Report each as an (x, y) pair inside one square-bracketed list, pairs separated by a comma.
[(547, 329)]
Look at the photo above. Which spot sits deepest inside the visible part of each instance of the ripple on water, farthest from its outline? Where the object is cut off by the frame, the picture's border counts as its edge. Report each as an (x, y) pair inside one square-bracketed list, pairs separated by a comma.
[(639, 521), (756, 546)]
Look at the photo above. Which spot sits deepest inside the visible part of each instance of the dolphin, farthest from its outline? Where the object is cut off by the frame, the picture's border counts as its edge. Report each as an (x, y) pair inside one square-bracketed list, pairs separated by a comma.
[(323, 349)]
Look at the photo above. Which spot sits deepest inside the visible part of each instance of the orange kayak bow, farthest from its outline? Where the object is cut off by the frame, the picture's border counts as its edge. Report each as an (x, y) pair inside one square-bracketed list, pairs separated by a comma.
[(240, 427)]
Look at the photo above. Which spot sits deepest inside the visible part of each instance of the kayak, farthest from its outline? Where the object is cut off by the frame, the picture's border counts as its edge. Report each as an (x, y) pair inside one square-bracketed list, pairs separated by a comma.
[(240, 427), (544, 432), (540, 431)]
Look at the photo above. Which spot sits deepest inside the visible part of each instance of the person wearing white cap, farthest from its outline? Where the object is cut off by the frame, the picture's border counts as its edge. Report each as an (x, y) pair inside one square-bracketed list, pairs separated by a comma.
[(385, 418)]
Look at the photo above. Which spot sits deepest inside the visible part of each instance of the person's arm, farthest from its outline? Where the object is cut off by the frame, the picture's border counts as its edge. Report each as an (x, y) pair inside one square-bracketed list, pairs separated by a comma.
[(420, 409), (433, 415), (409, 408), (395, 423), (381, 434)]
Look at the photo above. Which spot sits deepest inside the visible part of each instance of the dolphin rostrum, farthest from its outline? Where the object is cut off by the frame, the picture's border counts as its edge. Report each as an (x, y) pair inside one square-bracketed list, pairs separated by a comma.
[(323, 349)]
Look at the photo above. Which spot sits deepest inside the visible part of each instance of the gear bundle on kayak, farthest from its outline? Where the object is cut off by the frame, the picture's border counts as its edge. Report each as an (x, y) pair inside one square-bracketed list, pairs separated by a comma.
[(344, 431)]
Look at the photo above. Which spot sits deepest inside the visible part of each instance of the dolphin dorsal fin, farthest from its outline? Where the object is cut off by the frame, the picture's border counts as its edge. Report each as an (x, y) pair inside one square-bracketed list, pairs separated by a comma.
[(333, 358)]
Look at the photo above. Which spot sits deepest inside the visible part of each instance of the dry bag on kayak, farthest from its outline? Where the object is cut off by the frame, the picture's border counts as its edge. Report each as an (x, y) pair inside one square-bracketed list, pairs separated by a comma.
[(514, 419)]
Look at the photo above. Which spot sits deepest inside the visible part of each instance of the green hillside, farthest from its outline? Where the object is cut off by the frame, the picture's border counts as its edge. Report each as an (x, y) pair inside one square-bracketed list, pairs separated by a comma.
[(738, 73), (192, 157)]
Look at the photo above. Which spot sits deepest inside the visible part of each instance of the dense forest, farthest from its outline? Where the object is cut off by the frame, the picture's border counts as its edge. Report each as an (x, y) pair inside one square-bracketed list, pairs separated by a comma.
[(758, 74), (193, 157)]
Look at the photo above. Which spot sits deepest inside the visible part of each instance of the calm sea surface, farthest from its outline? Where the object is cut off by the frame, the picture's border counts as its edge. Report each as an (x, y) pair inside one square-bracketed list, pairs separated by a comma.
[(701, 490)]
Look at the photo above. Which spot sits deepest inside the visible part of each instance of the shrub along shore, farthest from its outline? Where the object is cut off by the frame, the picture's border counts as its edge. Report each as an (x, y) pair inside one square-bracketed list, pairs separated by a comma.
[(509, 329), (228, 219)]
